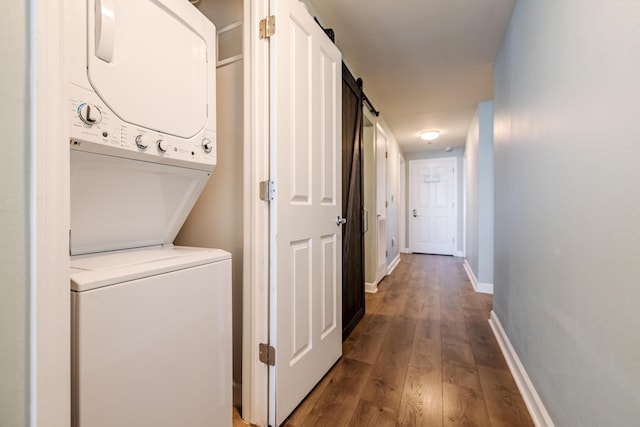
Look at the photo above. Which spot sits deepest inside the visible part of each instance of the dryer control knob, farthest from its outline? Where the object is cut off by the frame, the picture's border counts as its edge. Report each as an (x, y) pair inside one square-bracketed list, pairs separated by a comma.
[(207, 145), (141, 143), (89, 114), (162, 145)]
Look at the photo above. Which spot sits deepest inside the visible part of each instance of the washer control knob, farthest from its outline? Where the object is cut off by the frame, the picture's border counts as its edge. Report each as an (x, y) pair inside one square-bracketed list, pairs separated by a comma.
[(162, 145), (207, 145), (141, 143), (89, 114)]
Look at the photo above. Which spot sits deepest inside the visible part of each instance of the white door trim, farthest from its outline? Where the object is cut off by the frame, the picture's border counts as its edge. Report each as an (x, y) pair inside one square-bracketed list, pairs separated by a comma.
[(463, 253), (255, 286), (402, 199), (381, 269), (49, 305), (412, 164)]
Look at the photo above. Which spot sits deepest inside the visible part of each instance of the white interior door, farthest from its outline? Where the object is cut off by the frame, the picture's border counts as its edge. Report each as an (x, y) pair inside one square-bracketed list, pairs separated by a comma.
[(306, 241), (433, 206), (381, 203)]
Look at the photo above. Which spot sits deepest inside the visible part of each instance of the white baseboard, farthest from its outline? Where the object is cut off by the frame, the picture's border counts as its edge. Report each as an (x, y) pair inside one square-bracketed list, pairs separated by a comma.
[(393, 264), (371, 288), (406, 251), (536, 408), (483, 288), (459, 254)]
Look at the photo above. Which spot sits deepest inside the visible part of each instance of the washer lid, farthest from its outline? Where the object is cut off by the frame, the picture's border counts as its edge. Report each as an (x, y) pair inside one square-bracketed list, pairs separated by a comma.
[(152, 62), (97, 271)]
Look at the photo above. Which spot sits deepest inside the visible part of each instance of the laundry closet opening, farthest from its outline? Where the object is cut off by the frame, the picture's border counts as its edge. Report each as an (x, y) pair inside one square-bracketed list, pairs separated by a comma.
[(217, 218)]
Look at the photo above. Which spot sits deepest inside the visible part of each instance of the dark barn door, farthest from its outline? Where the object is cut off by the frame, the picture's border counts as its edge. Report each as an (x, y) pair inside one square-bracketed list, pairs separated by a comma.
[(352, 236)]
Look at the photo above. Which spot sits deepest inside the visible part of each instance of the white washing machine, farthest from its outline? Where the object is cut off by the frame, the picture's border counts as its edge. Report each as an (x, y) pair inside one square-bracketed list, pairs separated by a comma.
[(151, 342), (151, 338)]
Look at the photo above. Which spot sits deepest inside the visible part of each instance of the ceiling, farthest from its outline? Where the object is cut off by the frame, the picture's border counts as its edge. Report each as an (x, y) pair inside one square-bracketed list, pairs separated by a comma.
[(425, 64)]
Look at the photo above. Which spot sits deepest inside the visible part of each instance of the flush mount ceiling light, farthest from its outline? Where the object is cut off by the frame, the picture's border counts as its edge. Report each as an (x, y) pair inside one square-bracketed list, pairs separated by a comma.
[(430, 135)]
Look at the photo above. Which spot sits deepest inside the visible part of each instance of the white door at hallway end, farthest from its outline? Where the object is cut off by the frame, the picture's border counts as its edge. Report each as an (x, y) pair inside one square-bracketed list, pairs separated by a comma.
[(432, 206)]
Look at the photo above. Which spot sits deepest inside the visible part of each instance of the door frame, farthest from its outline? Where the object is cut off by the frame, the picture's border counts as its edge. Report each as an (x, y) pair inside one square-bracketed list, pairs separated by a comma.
[(412, 165), (381, 270), (49, 333), (368, 181), (255, 321), (463, 252), (402, 200)]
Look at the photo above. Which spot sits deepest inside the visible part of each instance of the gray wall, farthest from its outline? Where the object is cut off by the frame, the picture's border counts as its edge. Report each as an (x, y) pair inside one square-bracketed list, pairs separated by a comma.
[(567, 204), (13, 213), (479, 193), (458, 153)]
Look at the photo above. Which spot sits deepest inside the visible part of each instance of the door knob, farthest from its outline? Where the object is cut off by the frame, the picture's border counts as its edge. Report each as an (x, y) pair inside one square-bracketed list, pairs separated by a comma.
[(415, 213), (341, 221)]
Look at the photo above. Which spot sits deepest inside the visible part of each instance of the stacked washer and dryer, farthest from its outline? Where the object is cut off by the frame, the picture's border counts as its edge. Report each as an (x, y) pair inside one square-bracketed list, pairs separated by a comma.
[(151, 322)]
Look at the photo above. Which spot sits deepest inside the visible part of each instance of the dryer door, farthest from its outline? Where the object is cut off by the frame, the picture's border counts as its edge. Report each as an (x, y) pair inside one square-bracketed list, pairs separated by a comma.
[(148, 60)]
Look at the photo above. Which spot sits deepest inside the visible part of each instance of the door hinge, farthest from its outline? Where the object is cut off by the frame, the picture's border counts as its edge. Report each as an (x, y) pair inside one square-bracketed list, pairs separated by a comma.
[(386, 204), (267, 190), (267, 27), (386, 154), (267, 354)]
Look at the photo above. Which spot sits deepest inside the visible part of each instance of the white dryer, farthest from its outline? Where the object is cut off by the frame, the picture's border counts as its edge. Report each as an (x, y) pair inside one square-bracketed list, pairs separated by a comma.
[(151, 342), (142, 109)]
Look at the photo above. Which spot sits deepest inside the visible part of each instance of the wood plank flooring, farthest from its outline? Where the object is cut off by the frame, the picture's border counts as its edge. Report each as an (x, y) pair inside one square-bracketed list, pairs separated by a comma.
[(423, 355)]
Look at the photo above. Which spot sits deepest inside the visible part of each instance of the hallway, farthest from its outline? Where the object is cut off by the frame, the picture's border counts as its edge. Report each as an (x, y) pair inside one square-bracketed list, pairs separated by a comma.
[(423, 355)]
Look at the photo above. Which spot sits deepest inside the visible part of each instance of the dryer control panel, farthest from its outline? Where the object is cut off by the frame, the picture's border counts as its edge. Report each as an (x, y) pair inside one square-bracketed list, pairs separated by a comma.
[(95, 128)]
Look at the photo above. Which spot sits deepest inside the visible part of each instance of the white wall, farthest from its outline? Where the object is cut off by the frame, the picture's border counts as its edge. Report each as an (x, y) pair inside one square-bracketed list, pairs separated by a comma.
[(567, 204), (458, 153), (479, 193), (14, 103), (217, 218)]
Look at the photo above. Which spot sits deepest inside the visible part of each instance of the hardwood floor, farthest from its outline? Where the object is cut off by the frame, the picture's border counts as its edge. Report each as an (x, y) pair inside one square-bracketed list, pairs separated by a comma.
[(423, 355)]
